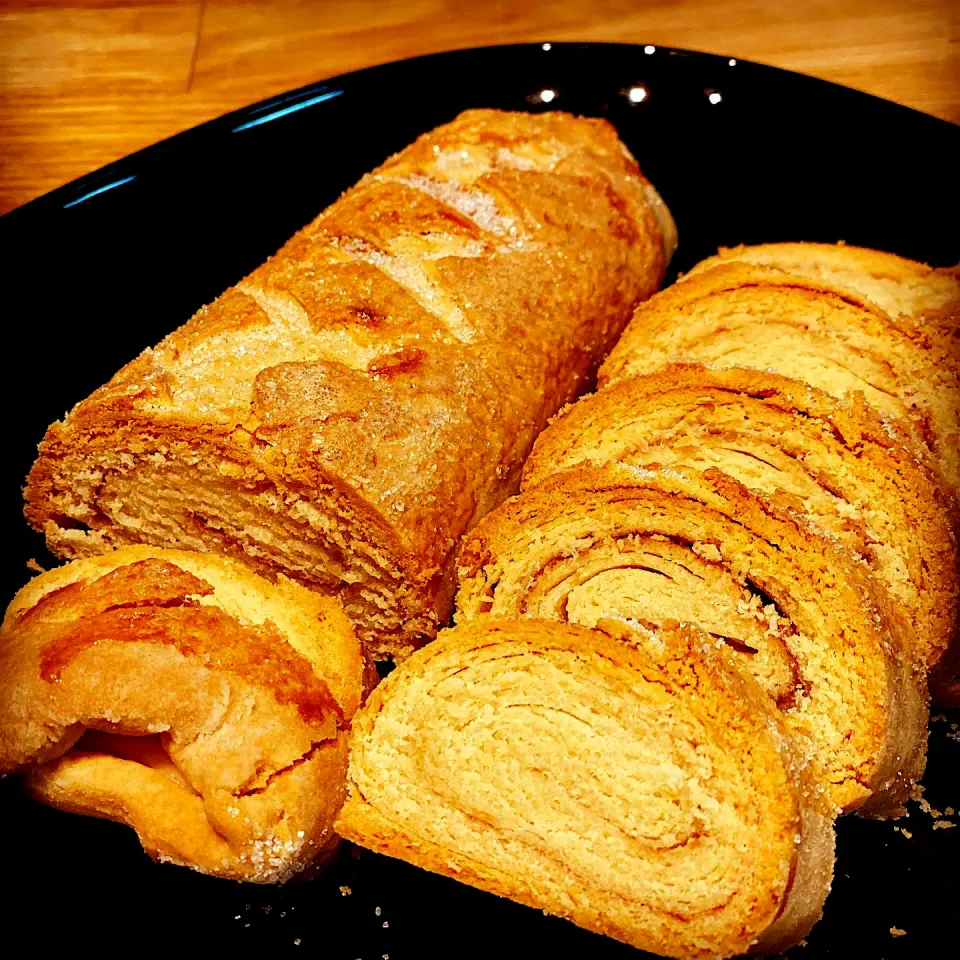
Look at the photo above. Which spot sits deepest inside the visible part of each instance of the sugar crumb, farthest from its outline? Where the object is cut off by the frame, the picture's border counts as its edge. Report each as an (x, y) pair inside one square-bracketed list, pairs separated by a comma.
[(345, 891), (943, 824), (897, 932)]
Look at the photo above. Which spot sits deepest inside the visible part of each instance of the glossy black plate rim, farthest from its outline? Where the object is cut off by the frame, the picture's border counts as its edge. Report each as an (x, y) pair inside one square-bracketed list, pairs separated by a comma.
[(122, 171)]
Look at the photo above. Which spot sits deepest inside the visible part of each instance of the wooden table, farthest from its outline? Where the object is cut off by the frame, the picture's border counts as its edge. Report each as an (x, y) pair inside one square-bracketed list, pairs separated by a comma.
[(83, 82)]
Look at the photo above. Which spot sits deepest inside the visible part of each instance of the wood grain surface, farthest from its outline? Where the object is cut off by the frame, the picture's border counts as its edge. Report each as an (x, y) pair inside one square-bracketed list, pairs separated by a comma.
[(84, 82)]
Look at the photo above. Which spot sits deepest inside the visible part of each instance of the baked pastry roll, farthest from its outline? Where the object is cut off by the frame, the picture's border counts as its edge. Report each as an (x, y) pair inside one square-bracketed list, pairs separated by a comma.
[(187, 697), (806, 621), (838, 464), (749, 315), (642, 790), (346, 412)]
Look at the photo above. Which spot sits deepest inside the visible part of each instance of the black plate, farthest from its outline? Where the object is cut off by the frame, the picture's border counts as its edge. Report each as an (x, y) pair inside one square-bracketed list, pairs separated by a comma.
[(99, 269)]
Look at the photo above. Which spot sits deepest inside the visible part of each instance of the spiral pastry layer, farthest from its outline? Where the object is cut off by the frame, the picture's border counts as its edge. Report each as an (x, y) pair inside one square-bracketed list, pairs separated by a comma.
[(643, 790), (837, 464), (804, 616), (738, 314)]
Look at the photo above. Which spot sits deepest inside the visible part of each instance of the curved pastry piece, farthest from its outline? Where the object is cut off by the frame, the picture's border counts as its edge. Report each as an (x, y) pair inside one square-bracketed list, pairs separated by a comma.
[(348, 410), (642, 790), (747, 315), (805, 619), (187, 697), (838, 464)]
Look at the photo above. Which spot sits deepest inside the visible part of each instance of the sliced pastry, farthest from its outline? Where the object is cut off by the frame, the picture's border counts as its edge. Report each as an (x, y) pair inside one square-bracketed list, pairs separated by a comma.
[(748, 315), (187, 697), (900, 287), (637, 786), (806, 619), (836, 463)]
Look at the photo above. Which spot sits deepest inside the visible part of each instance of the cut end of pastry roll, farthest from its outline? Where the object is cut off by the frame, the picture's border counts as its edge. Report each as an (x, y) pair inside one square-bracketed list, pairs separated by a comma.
[(753, 315), (642, 789), (838, 464), (802, 615), (187, 697), (347, 411)]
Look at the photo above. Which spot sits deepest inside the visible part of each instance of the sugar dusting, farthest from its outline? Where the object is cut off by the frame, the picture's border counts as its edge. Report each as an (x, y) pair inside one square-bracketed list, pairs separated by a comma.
[(411, 275), (478, 206)]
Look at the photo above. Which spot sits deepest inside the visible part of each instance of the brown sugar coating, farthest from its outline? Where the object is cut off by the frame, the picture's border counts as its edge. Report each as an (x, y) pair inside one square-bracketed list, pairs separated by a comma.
[(633, 783), (804, 617), (837, 464), (187, 697), (348, 410), (737, 314)]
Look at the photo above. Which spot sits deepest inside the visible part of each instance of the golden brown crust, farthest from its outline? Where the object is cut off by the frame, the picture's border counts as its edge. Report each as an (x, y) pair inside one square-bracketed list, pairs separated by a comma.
[(805, 617), (494, 754), (185, 696), (741, 314), (850, 473), (348, 410)]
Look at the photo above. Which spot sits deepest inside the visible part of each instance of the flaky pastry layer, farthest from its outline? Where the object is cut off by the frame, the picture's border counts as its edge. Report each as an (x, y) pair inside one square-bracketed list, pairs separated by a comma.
[(187, 697), (805, 619), (854, 477), (637, 786), (734, 313)]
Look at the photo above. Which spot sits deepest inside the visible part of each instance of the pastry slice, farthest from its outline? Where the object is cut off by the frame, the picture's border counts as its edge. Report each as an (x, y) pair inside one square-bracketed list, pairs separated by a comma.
[(641, 789), (805, 619), (838, 464), (187, 697), (900, 287), (747, 315)]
